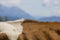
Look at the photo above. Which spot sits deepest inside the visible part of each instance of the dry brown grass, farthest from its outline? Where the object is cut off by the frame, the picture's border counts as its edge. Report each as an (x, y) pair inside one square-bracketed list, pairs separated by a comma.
[(34, 30)]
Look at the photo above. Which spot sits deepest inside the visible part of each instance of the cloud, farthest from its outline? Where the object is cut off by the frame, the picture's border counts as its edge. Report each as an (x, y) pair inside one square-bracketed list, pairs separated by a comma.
[(56, 2), (35, 8), (51, 2), (10, 2), (56, 12), (46, 1)]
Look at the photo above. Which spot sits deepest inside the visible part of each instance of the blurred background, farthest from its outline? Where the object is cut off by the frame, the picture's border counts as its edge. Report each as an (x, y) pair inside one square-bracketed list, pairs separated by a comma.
[(45, 11), (41, 10)]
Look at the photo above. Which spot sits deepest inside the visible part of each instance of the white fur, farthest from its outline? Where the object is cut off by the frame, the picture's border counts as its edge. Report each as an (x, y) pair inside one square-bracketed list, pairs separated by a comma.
[(19, 20), (11, 31)]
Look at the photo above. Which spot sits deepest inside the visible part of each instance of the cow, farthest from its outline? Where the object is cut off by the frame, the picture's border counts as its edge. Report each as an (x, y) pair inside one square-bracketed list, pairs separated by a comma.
[(12, 31)]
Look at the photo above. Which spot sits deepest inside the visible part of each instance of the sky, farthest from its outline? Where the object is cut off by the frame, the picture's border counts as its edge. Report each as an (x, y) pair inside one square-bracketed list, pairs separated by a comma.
[(36, 8)]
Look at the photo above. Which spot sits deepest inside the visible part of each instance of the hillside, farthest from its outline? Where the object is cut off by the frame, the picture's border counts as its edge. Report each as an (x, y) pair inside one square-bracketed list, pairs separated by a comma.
[(14, 13), (34, 30)]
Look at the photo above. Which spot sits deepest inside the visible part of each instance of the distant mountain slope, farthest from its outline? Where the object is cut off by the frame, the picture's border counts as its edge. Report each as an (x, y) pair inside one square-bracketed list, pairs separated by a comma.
[(50, 19), (14, 13)]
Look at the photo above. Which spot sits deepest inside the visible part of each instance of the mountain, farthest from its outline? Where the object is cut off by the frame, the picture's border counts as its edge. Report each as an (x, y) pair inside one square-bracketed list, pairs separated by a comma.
[(14, 13), (50, 19)]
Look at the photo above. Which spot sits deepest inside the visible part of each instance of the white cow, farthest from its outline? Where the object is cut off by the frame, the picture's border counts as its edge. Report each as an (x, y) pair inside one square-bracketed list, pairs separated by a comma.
[(10, 30)]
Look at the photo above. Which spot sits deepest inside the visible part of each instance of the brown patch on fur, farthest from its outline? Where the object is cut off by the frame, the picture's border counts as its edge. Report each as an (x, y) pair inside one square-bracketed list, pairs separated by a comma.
[(3, 36)]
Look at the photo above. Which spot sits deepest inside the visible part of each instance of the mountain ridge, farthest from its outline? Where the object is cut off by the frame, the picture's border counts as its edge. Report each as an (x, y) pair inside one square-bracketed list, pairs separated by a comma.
[(50, 19), (14, 13)]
